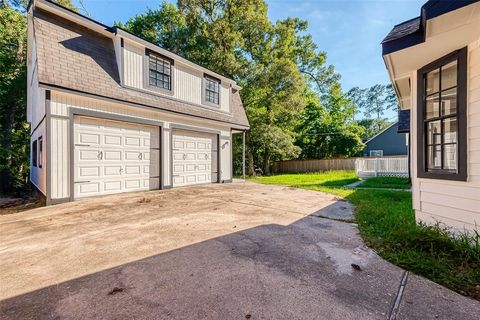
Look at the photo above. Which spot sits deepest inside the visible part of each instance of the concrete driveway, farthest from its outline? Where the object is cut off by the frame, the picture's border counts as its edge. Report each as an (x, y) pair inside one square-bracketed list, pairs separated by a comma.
[(235, 251)]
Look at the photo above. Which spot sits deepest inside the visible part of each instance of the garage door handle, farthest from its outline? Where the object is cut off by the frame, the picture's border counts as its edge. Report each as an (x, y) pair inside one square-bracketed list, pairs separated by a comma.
[(140, 156), (100, 155), (184, 157)]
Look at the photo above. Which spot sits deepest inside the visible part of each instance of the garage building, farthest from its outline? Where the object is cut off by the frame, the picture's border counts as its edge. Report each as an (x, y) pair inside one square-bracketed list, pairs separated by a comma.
[(111, 112)]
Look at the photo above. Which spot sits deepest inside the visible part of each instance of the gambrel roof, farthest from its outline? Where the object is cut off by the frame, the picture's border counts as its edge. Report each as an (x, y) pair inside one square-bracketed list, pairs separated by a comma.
[(73, 57)]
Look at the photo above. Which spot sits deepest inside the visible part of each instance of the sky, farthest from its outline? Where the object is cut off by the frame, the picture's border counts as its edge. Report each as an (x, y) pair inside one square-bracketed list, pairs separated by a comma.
[(349, 31)]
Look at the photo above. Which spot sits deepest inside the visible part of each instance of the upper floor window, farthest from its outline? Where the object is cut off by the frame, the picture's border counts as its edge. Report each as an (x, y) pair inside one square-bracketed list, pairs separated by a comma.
[(211, 90), (159, 72), (441, 117)]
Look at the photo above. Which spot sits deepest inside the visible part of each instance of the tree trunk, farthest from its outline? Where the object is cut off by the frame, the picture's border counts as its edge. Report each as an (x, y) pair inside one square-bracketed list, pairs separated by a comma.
[(266, 163)]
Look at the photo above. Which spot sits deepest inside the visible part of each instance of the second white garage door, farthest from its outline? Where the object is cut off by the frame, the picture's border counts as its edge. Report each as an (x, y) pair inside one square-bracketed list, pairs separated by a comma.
[(113, 156), (194, 156)]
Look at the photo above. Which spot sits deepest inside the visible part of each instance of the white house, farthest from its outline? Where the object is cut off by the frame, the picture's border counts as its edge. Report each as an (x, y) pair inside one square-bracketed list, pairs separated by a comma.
[(110, 112), (434, 64)]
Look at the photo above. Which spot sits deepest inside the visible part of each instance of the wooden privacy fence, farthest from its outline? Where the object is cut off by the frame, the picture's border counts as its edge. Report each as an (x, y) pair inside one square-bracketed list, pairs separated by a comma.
[(298, 166), (381, 167)]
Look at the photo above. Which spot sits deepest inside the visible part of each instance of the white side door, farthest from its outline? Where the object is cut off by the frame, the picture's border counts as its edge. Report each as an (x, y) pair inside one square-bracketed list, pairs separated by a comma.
[(113, 157), (194, 157)]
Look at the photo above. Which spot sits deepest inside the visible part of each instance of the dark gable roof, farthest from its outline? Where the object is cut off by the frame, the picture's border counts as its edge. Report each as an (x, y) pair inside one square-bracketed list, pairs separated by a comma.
[(404, 121), (75, 58), (403, 29), (412, 32)]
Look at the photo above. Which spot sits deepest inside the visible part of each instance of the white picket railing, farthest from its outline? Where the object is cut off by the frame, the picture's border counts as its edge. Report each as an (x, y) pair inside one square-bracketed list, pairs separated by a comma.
[(381, 167)]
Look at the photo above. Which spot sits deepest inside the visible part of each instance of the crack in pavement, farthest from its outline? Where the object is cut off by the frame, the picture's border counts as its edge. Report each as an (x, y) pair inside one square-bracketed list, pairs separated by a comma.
[(392, 315)]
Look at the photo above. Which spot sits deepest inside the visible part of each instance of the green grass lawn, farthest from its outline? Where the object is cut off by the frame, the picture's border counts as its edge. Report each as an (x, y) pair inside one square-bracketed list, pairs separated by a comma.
[(387, 224), (386, 183), (328, 181)]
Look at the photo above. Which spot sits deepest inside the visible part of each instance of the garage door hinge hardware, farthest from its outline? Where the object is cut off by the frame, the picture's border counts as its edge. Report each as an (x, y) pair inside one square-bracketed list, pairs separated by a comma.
[(82, 145), (82, 181)]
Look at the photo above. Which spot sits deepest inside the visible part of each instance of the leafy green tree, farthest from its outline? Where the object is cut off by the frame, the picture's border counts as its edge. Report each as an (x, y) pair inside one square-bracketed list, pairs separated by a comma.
[(14, 139), (14, 129), (374, 101), (327, 129)]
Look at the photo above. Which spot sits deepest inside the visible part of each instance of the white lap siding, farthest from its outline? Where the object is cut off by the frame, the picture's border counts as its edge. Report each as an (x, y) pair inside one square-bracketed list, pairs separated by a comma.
[(59, 122), (456, 203)]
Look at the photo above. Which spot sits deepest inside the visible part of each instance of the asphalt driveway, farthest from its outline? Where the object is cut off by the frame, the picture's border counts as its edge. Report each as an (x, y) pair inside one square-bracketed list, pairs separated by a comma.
[(234, 251)]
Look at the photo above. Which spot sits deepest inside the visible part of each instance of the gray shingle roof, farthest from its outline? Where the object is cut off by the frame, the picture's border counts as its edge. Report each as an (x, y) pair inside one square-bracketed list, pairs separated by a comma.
[(73, 57), (403, 29)]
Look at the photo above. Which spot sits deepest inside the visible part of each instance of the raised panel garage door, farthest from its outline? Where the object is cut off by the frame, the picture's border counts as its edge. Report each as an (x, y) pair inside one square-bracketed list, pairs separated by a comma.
[(194, 157), (113, 157)]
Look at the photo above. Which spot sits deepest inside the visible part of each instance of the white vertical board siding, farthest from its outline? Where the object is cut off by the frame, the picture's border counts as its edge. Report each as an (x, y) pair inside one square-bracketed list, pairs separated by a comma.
[(225, 98), (166, 160), (37, 174), (133, 65), (187, 84), (59, 161), (455, 203), (226, 156), (60, 136)]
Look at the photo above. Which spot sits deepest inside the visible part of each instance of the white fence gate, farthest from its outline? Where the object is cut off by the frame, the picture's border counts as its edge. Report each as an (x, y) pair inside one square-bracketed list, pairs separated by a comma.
[(381, 167)]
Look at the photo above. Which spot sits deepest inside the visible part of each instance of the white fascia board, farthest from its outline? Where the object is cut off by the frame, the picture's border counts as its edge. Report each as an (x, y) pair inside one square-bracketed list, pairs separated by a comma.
[(178, 59)]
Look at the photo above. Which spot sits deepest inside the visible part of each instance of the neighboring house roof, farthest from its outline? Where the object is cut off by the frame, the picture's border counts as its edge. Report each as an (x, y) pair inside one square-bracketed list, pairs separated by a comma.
[(378, 134), (413, 31), (75, 58)]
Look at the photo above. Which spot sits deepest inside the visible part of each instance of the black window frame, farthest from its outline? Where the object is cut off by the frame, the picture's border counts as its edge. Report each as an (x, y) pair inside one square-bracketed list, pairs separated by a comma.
[(460, 173), (208, 92), (40, 152), (163, 59), (34, 153)]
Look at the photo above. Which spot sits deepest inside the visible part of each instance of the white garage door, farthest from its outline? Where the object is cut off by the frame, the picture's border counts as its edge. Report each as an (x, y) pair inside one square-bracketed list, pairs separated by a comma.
[(113, 156), (194, 157)]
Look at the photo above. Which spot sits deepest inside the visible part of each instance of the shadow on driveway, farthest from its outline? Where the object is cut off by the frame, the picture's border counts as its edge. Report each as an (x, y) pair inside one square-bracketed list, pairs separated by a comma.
[(300, 270)]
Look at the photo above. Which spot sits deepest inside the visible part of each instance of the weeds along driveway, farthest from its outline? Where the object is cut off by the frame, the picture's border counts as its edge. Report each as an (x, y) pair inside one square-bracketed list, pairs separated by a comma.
[(217, 252)]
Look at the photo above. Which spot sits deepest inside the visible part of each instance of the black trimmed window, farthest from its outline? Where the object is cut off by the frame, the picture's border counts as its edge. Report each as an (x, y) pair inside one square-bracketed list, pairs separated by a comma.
[(159, 71), (212, 90), (441, 118), (40, 151), (34, 153)]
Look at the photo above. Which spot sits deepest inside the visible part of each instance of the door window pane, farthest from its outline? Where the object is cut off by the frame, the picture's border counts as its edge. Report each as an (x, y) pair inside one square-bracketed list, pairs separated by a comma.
[(449, 75), (432, 82), (450, 130), (433, 103), (450, 157), (449, 102), (434, 132), (434, 156)]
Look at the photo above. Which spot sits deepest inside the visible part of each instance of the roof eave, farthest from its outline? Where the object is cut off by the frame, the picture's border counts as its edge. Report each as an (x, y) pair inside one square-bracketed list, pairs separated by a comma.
[(402, 43), (431, 9)]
